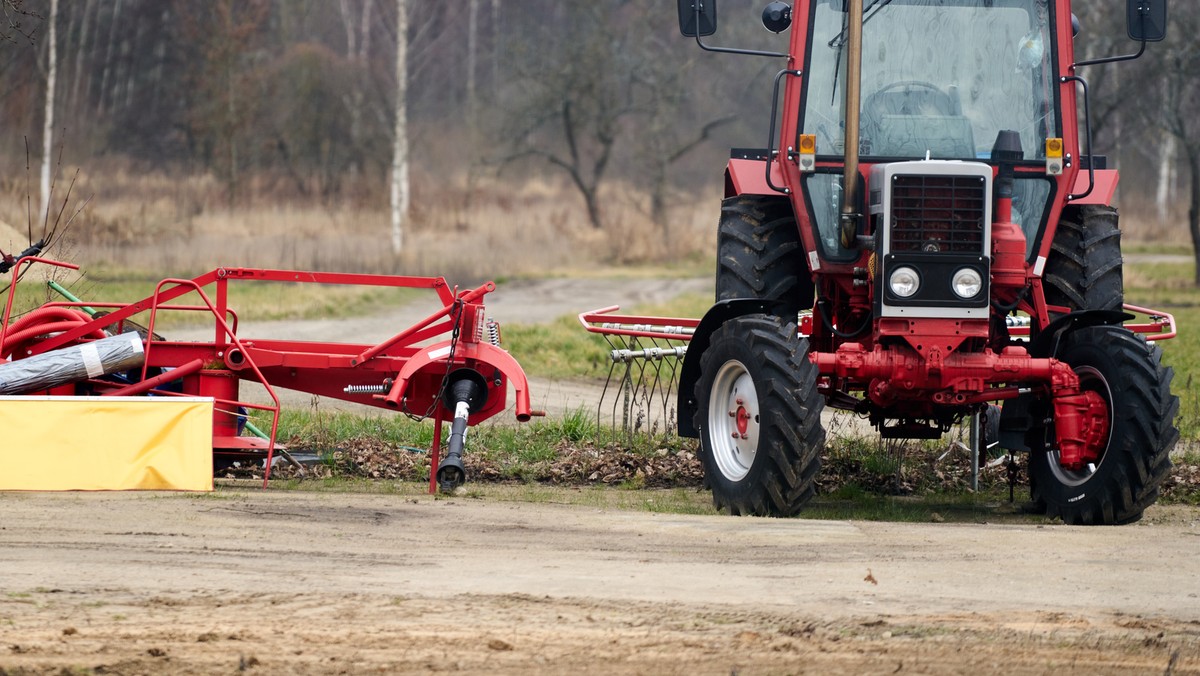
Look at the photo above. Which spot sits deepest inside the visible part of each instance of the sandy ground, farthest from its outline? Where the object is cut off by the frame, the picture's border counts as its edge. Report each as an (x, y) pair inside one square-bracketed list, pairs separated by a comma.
[(322, 583), (285, 582)]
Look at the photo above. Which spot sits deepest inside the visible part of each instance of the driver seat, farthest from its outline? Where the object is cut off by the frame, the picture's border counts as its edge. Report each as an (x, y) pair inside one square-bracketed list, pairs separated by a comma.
[(908, 119)]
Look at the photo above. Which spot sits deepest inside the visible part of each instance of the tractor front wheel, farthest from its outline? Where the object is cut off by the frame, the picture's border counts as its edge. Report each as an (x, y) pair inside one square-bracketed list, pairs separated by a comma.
[(759, 417), (1119, 484)]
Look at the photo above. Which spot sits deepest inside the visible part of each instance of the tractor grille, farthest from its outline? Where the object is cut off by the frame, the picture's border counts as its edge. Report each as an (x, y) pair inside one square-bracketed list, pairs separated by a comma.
[(938, 214)]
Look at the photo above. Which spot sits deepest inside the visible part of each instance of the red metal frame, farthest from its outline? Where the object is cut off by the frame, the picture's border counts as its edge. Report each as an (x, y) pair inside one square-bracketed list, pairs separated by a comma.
[(406, 372)]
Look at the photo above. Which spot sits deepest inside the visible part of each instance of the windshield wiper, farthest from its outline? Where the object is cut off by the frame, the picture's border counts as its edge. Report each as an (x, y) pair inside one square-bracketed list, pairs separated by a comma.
[(840, 39)]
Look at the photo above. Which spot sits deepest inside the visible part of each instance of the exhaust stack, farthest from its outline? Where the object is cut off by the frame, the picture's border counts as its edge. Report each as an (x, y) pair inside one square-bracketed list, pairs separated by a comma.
[(849, 212)]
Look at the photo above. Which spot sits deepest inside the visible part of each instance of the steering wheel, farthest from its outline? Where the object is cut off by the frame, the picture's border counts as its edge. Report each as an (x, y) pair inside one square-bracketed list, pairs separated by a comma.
[(910, 97)]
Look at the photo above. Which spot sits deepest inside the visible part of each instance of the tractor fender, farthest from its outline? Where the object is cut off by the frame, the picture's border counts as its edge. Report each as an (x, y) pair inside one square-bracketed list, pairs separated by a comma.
[(1017, 415), (1103, 188), (1048, 339), (749, 177), (689, 373)]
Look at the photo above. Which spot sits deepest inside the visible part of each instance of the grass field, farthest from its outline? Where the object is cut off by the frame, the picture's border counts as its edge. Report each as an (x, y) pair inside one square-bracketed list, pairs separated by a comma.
[(1168, 286), (139, 229)]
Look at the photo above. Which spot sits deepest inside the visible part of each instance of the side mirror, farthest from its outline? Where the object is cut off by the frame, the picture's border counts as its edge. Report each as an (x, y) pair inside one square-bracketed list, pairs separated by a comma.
[(1147, 19), (777, 17), (697, 18)]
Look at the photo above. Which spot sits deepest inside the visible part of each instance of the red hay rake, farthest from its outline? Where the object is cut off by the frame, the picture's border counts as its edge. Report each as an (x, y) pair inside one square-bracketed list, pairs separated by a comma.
[(448, 366), (645, 352)]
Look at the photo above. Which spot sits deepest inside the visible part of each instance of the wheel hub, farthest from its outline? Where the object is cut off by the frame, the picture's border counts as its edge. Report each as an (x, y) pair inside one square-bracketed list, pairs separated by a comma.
[(734, 420), (743, 420)]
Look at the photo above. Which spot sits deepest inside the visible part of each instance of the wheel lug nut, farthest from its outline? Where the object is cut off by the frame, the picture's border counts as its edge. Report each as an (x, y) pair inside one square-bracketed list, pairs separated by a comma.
[(745, 436), (735, 435), (733, 414)]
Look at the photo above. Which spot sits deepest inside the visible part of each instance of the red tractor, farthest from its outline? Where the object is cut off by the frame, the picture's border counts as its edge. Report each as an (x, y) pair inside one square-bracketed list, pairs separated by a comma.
[(926, 234)]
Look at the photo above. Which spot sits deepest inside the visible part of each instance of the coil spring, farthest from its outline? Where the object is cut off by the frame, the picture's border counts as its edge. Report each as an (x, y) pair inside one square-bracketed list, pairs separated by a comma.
[(493, 331), (366, 389)]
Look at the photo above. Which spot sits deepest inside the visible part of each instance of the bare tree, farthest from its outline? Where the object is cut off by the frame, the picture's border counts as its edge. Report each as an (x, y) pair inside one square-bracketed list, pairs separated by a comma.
[(18, 22), (472, 51), (573, 115), (358, 47), (1179, 59), (80, 50), (114, 22)]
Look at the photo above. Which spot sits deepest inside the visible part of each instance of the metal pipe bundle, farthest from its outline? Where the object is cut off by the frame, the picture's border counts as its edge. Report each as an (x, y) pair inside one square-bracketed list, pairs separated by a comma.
[(72, 364)]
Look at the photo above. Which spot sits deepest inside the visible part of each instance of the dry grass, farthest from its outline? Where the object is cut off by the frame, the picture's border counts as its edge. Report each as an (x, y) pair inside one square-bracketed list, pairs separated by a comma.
[(158, 224), (1141, 226), (151, 224)]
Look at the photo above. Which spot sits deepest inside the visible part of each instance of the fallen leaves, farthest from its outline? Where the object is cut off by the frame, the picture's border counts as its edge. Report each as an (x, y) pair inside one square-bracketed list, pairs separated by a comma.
[(912, 469)]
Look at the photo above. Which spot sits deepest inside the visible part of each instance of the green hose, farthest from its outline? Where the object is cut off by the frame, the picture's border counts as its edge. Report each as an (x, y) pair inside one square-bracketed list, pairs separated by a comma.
[(69, 296), (255, 431)]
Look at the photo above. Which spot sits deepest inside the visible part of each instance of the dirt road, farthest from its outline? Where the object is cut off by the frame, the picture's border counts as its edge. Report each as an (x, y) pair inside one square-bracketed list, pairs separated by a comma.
[(283, 582), (321, 583)]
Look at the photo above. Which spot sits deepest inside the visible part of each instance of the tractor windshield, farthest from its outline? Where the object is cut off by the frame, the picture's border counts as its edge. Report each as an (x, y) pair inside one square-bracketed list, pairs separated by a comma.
[(939, 77)]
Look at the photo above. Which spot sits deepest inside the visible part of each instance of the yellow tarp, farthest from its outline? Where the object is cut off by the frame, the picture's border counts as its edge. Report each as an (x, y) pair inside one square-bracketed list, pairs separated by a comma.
[(105, 443)]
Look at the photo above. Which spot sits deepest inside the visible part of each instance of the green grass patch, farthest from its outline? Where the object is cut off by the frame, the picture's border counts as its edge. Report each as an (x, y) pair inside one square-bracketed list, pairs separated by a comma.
[(1161, 248), (563, 349), (560, 349), (1169, 287)]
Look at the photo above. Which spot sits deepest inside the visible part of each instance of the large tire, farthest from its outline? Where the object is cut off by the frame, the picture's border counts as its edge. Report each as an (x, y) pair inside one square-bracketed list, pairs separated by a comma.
[(1083, 270), (757, 383), (1120, 366), (759, 254)]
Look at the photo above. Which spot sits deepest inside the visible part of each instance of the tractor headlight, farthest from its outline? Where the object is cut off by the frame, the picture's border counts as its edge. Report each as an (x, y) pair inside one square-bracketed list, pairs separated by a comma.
[(967, 283), (904, 282)]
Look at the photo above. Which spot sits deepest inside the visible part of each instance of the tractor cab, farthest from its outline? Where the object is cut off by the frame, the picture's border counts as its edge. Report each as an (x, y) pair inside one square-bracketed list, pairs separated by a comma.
[(934, 85)]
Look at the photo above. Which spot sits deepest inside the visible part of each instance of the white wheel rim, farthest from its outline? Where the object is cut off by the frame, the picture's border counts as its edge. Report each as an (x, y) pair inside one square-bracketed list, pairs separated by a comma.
[(1077, 477), (733, 420)]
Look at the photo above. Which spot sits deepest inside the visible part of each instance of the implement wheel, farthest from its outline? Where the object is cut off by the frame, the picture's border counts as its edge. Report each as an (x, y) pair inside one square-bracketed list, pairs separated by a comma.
[(1124, 479), (759, 417)]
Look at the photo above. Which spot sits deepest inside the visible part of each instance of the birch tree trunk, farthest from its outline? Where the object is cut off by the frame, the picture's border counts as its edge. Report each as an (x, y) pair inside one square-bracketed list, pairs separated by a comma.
[(400, 194), (1164, 194), (48, 130)]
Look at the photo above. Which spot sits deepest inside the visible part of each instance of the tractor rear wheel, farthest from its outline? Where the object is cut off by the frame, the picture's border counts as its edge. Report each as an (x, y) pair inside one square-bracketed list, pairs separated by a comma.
[(1127, 372), (1083, 270), (759, 417), (759, 254)]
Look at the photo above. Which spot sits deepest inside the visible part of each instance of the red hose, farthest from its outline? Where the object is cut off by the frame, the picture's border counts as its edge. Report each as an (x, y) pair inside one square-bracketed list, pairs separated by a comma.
[(35, 324)]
